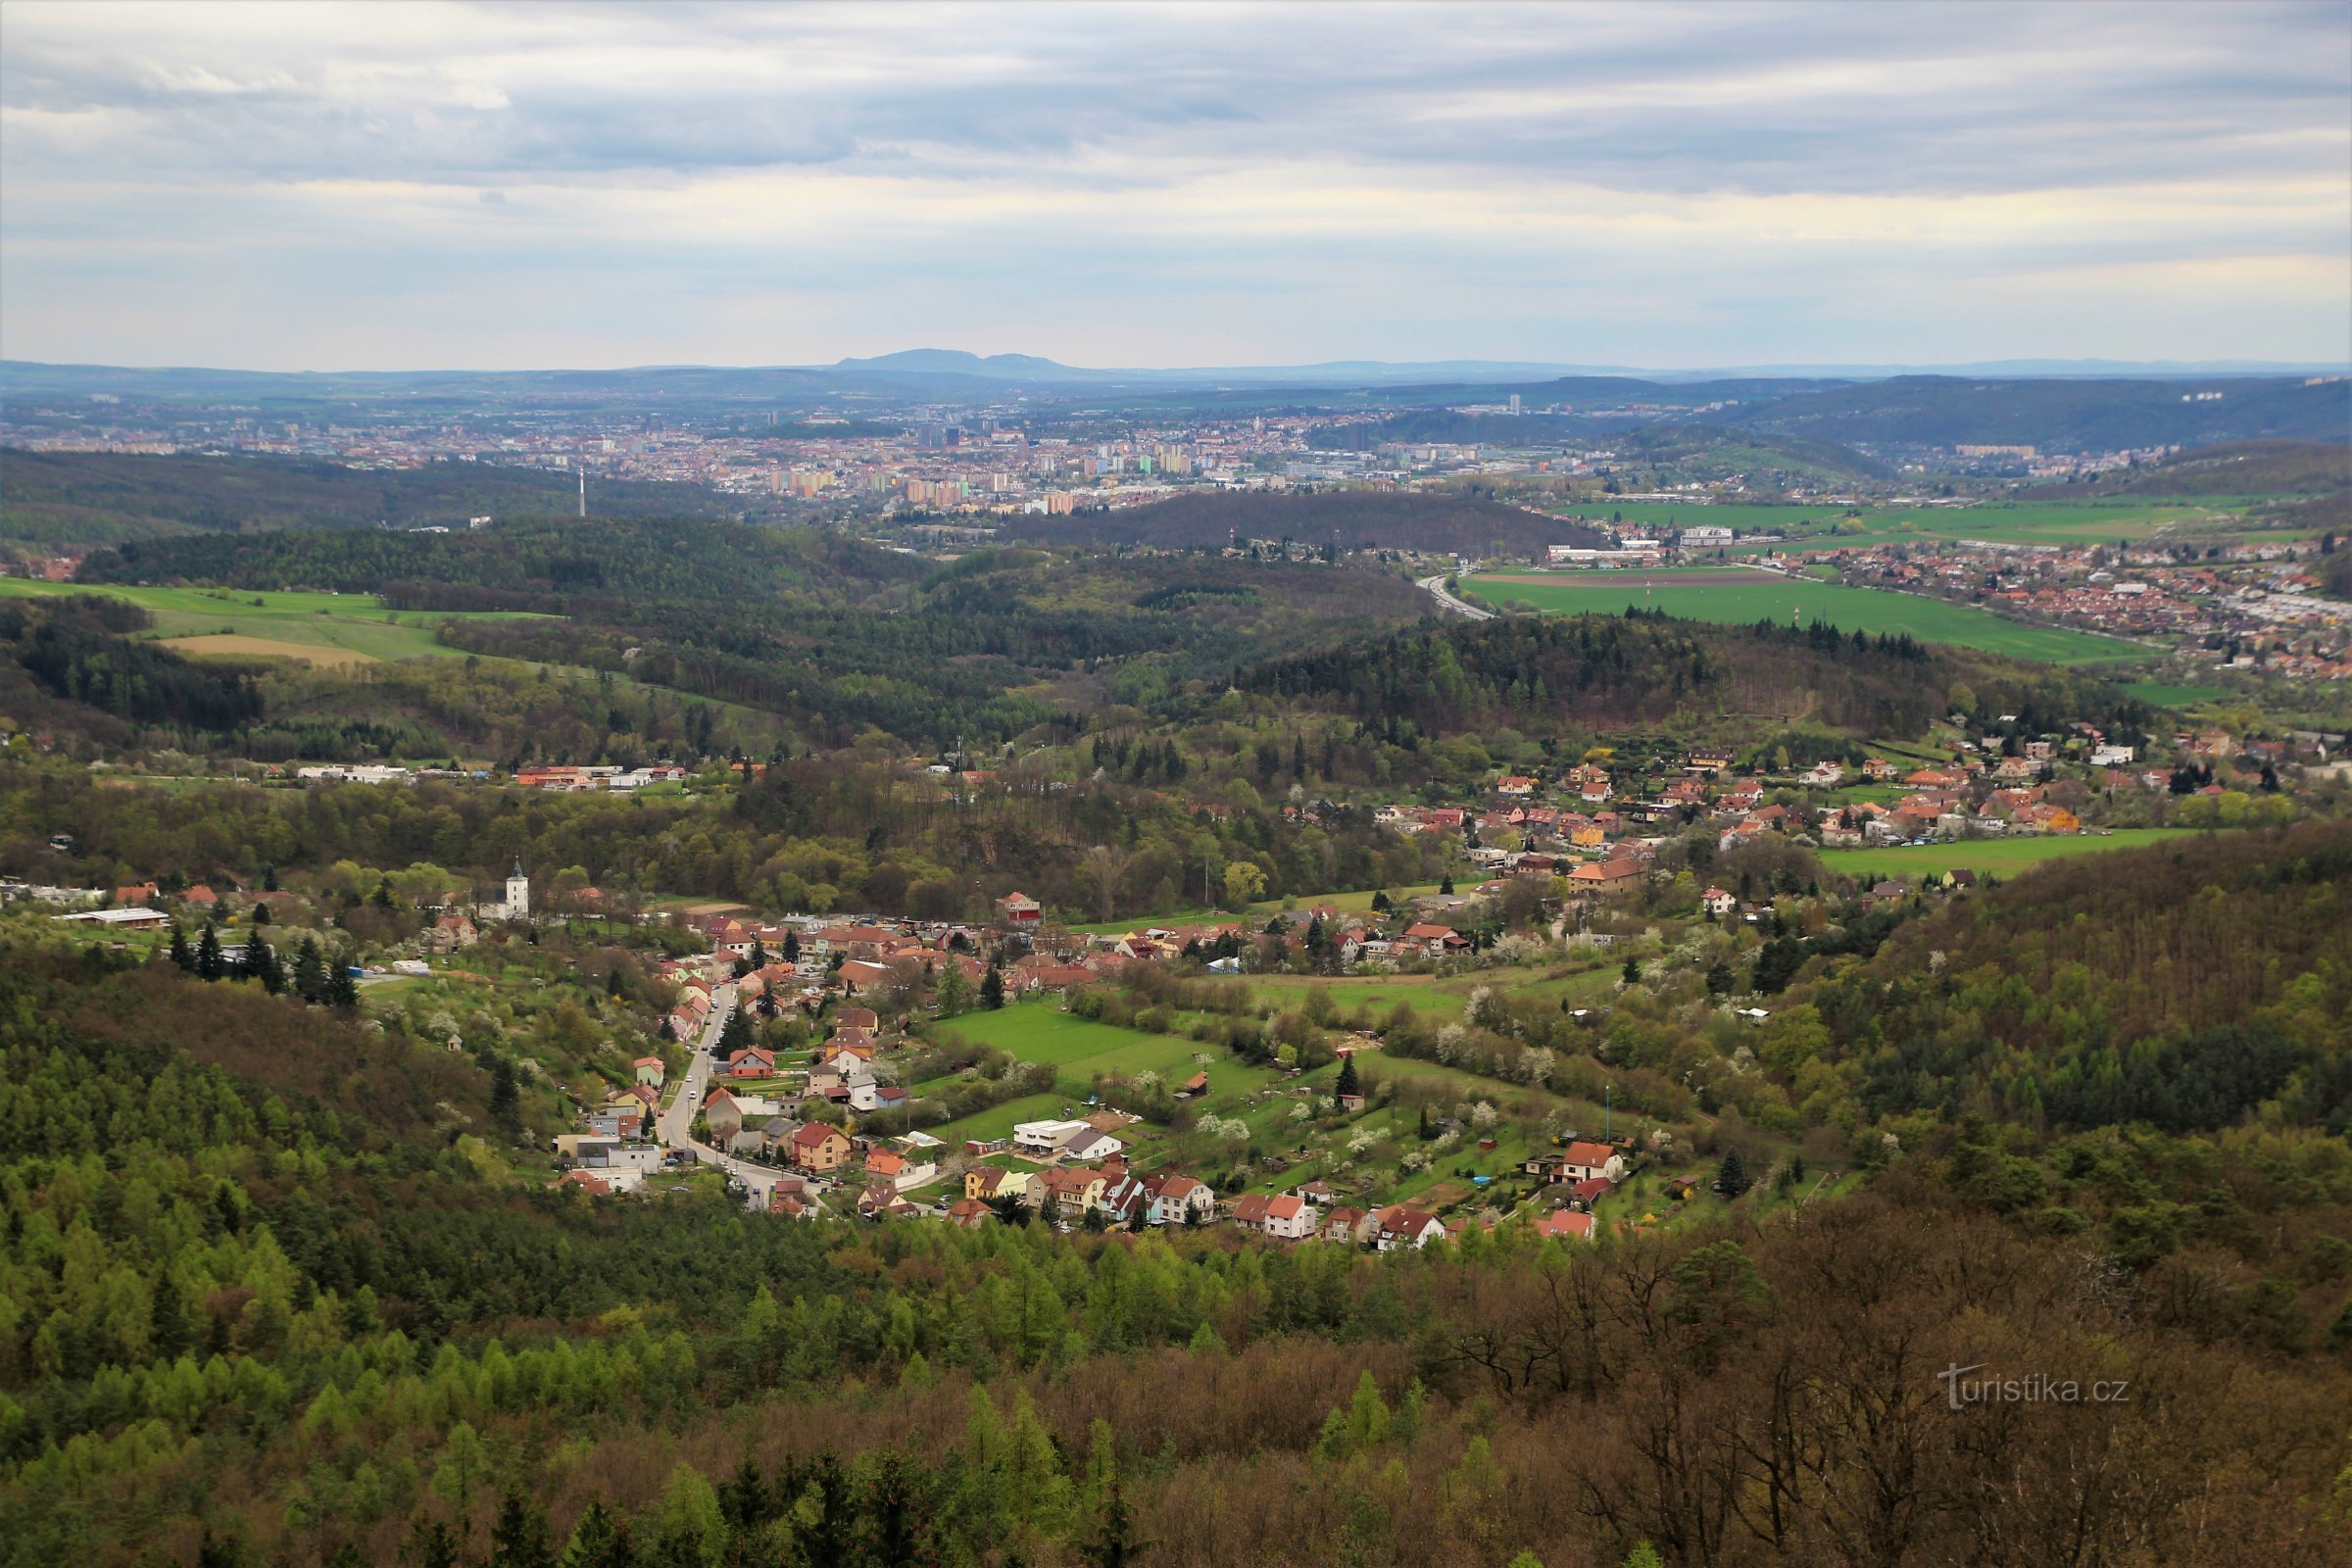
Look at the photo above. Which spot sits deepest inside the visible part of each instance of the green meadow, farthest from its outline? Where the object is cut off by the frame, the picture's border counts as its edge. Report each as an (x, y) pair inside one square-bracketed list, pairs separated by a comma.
[(2020, 522), (2001, 856), (327, 628), (1700, 594)]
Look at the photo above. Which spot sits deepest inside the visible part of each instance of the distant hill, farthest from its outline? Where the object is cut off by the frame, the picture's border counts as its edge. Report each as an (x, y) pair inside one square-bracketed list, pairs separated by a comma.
[(97, 498), (2231, 468), (1350, 519), (2057, 416)]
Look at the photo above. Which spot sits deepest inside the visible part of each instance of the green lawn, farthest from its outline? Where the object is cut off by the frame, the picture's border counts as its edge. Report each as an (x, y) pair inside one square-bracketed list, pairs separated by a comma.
[(356, 624), (2002, 856), (1809, 527), (998, 1121), (1774, 597), (1040, 1030), (2160, 695)]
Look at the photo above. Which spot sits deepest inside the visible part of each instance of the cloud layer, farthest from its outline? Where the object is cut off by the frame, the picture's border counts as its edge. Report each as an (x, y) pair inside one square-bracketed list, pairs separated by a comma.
[(427, 184)]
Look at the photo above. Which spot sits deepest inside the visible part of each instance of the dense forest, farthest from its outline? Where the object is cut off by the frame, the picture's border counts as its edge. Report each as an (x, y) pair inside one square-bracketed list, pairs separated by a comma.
[(2055, 414), (1538, 673), (547, 563), (108, 497), (1351, 520), (78, 649), (271, 1296)]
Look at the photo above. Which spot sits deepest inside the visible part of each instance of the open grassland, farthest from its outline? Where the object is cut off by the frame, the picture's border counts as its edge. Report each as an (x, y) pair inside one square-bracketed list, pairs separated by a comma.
[(1714, 595), (322, 628), (2159, 695), (2001, 856), (1040, 1030), (1815, 527)]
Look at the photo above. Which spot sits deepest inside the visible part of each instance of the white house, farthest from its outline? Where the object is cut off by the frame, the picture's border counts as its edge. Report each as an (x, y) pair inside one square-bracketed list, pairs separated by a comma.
[(1584, 1160), (1289, 1218)]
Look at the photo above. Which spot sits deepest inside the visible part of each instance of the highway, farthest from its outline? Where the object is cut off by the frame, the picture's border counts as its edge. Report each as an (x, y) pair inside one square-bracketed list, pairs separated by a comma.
[(1437, 590)]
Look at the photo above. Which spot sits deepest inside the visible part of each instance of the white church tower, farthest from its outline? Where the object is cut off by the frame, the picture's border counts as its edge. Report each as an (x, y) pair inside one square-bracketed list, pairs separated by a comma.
[(519, 893)]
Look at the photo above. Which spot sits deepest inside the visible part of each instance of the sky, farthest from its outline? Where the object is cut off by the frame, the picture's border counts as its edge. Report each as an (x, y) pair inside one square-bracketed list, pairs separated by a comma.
[(425, 185)]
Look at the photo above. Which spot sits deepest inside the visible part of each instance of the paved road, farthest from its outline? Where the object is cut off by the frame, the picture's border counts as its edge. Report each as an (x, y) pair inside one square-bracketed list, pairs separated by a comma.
[(675, 1125), (1445, 601)]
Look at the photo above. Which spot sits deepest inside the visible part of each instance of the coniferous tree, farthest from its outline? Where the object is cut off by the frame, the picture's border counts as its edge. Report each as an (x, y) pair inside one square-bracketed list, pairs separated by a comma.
[(519, 1540), (169, 1333), (1349, 1084), (261, 961), (992, 989), (342, 992), (430, 1544), (210, 965), (506, 1097), (601, 1540), (792, 947), (310, 970), (183, 955), (1731, 1177)]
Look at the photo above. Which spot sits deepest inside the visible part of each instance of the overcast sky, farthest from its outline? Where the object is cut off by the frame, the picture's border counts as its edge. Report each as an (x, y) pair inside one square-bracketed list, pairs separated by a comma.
[(406, 185)]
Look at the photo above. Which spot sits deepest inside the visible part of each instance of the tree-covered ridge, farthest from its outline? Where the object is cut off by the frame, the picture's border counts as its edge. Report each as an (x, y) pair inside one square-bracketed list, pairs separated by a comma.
[(93, 497), (1011, 642), (74, 648), (1349, 519), (554, 563), (2182, 985), (245, 1323), (1639, 669)]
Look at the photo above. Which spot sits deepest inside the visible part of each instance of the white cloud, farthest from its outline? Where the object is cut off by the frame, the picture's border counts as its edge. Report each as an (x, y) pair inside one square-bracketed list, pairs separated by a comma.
[(1172, 184)]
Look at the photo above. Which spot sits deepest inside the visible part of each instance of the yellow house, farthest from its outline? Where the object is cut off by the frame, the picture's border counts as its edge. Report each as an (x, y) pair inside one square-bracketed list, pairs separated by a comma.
[(990, 1182), (1587, 837)]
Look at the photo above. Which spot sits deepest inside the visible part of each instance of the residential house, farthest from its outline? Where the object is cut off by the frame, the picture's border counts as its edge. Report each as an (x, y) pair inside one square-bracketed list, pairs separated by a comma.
[(1605, 877), (1289, 1218), (1019, 910), (1343, 1224), (818, 1148), (1180, 1199), (1567, 1223), (1249, 1212), (1584, 1159), (1067, 1192), (1435, 941), (649, 1071), (452, 932), (1402, 1225), (970, 1213)]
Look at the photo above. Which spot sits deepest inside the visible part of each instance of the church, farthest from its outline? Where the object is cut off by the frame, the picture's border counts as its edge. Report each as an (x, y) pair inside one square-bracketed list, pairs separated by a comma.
[(518, 898)]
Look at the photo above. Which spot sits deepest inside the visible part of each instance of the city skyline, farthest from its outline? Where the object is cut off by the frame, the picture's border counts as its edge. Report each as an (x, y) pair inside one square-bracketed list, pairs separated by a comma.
[(492, 187)]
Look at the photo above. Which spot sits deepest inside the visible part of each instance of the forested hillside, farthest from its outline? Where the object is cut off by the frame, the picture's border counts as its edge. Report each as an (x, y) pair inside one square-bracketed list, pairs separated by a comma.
[(2070, 414), (1539, 674), (2181, 988), (105, 498), (270, 1295), (1351, 520), (543, 563)]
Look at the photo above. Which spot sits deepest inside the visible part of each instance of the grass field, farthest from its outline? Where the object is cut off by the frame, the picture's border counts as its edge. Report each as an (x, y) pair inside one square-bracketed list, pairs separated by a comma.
[(1040, 1030), (1713, 594), (322, 628), (2163, 695), (2001, 857), (2023, 522)]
